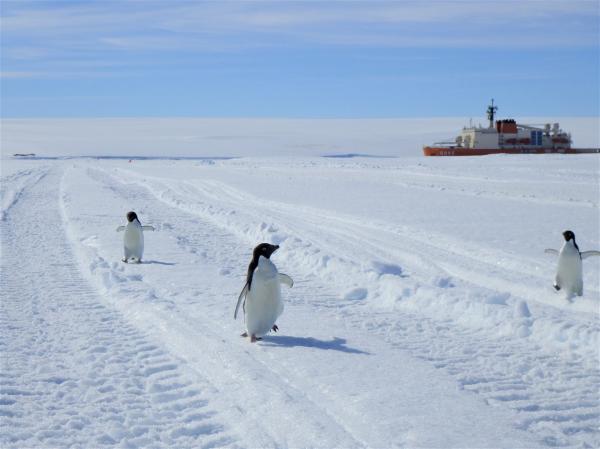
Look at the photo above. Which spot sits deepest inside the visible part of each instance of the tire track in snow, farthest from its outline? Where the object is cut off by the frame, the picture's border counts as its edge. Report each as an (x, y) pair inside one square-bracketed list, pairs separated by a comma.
[(246, 386), (480, 188), (553, 394), (73, 372), (474, 264), (13, 186), (282, 370), (525, 392), (513, 372), (445, 260), (393, 244)]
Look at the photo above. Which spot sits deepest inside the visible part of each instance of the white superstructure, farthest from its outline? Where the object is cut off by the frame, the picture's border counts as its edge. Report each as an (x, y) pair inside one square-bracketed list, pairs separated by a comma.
[(507, 134)]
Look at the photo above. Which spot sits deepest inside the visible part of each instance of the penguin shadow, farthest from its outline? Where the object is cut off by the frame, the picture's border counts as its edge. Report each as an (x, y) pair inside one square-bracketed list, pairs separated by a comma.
[(335, 344), (156, 262)]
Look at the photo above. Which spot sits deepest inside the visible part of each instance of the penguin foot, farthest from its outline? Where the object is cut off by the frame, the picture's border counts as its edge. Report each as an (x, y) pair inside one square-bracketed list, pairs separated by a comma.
[(253, 339), (274, 328), (556, 287), (245, 334), (124, 259)]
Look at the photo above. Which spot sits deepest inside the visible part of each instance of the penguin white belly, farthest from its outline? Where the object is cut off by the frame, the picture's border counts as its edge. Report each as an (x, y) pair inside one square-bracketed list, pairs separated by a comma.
[(263, 302), (133, 241), (569, 274)]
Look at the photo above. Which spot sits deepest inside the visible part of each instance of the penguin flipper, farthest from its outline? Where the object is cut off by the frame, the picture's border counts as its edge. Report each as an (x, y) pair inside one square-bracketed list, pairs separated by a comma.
[(148, 228), (551, 251), (120, 228), (285, 279), (240, 298), (586, 254)]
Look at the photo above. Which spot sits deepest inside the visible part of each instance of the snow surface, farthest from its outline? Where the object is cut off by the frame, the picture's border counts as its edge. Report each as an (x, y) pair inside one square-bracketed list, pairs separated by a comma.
[(422, 313)]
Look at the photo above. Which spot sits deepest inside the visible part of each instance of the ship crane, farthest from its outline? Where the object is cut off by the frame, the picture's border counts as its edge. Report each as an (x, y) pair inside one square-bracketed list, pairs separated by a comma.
[(530, 126)]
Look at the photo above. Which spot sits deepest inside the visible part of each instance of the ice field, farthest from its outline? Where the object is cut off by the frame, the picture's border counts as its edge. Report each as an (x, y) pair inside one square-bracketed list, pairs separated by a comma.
[(422, 314)]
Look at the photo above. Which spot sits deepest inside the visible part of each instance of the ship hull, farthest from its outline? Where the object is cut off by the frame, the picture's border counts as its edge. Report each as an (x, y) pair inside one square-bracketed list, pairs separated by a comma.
[(457, 151)]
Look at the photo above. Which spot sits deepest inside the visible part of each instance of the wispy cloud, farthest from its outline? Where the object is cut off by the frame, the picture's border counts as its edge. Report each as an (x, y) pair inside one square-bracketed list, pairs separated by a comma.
[(334, 22), (13, 74), (290, 55)]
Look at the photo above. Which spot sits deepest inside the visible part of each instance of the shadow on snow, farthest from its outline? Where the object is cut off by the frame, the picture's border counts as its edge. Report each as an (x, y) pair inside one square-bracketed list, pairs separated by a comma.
[(157, 262), (335, 344)]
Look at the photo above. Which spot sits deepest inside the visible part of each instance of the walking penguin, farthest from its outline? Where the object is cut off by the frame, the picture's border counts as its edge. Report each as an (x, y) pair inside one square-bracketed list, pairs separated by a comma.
[(261, 295), (133, 240), (569, 273)]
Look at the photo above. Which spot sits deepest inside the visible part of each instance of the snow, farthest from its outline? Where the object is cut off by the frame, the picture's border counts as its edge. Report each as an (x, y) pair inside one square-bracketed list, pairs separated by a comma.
[(422, 312)]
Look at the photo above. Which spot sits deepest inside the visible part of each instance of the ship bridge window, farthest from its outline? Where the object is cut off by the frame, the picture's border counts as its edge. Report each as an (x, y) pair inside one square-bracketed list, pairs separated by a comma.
[(536, 137)]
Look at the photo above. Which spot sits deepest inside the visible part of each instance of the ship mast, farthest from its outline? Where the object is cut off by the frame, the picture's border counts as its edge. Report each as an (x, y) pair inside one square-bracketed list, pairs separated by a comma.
[(491, 111)]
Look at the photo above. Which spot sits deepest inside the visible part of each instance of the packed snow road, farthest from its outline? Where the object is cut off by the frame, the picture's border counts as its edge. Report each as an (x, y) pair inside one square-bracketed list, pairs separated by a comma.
[(400, 330), (74, 372)]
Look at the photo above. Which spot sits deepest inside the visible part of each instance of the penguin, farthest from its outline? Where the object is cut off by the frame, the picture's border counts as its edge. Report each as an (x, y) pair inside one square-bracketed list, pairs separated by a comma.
[(569, 273), (133, 240), (261, 294)]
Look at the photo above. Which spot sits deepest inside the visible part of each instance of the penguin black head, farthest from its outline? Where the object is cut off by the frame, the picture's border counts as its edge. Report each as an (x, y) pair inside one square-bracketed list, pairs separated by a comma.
[(131, 216), (570, 235), (265, 250)]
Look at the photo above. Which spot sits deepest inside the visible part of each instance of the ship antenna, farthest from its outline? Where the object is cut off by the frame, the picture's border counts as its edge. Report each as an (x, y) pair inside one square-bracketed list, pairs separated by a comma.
[(491, 111)]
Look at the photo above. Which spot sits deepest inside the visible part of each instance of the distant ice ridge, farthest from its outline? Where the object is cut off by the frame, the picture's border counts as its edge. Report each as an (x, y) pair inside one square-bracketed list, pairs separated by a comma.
[(242, 137)]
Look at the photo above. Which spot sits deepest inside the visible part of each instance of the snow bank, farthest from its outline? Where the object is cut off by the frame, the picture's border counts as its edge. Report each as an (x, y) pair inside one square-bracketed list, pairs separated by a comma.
[(403, 267)]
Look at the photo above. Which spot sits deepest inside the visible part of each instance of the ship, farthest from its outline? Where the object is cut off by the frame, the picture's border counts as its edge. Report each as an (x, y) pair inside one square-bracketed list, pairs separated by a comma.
[(507, 136)]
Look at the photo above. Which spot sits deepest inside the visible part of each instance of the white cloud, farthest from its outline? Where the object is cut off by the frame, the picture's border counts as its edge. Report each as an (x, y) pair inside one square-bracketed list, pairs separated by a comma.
[(41, 37), (15, 74), (111, 21)]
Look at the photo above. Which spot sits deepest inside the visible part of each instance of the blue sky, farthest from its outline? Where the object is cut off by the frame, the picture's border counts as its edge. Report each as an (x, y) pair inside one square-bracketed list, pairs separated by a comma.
[(309, 59)]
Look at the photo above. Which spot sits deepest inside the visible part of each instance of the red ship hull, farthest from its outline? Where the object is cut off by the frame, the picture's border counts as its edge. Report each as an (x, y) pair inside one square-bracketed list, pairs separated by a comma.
[(458, 151)]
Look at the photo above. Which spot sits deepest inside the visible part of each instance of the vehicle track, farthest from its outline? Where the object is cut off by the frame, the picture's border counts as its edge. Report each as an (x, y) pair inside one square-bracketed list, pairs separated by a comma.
[(244, 381), (13, 185), (74, 373), (445, 258), (284, 378), (513, 372)]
